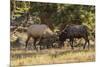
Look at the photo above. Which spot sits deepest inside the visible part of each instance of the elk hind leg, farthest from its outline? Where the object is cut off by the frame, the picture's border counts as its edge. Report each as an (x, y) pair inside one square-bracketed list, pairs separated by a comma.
[(27, 41), (86, 41)]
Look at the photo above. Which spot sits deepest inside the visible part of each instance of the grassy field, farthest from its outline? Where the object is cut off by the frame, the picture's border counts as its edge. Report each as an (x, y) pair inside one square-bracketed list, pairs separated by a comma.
[(21, 57)]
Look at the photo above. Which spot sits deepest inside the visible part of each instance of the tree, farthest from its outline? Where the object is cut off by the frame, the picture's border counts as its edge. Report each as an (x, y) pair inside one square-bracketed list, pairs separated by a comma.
[(55, 14)]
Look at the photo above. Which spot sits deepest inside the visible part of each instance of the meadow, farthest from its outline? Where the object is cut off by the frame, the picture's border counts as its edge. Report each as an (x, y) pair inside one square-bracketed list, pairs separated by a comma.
[(21, 57)]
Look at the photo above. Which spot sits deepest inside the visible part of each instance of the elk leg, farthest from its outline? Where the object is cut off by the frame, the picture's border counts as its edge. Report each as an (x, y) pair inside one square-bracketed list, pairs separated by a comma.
[(40, 45), (84, 44), (27, 41), (34, 43), (71, 43), (86, 41)]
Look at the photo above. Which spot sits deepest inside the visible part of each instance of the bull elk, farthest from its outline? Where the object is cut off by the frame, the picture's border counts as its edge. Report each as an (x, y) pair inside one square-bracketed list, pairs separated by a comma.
[(74, 31), (37, 32)]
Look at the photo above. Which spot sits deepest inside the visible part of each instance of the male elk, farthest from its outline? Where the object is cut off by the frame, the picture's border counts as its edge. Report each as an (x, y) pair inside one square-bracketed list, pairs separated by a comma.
[(37, 32), (74, 31)]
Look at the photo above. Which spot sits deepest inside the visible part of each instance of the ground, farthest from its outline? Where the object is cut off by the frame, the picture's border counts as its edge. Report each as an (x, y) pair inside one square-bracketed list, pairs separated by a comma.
[(20, 56)]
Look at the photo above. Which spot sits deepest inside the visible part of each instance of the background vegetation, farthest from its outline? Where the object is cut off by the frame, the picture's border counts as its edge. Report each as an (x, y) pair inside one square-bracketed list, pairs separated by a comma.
[(54, 14)]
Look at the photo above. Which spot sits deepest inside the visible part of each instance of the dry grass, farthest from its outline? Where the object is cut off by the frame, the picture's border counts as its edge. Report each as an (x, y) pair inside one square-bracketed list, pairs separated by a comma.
[(50, 56)]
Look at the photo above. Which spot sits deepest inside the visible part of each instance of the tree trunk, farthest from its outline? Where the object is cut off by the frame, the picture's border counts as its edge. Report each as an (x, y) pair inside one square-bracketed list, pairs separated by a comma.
[(13, 7)]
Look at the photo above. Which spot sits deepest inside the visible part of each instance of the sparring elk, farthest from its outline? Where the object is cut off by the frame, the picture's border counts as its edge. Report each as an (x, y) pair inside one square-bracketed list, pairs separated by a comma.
[(74, 31), (38, 32)]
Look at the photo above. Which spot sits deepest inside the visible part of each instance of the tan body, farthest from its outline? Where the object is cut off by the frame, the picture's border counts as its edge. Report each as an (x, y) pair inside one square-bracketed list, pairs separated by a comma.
[(37, 32)]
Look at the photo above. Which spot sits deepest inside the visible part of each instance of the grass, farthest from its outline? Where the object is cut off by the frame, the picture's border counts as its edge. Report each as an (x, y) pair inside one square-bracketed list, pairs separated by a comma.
[(21, 57)]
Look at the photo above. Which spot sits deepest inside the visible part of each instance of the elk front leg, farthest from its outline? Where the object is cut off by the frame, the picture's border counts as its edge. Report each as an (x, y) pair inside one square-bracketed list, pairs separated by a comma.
[(71, 43)]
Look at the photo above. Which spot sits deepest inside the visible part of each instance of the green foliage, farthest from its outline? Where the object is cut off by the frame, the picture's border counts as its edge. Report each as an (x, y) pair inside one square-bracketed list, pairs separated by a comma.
[(57, 13)]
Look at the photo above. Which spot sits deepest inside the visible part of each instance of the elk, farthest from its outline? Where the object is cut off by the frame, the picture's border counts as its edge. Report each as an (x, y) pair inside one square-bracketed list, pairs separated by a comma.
[(74, 31), (38, 32)]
